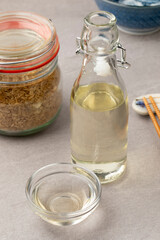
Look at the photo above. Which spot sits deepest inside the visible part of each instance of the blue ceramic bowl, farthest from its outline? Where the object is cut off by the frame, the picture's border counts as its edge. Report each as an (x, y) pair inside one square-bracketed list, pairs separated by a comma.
[(133, 19)]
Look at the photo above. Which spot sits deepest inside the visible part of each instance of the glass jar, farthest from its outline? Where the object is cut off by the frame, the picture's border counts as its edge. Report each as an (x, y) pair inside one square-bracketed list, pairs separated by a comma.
[(30, 86), (99, 103)]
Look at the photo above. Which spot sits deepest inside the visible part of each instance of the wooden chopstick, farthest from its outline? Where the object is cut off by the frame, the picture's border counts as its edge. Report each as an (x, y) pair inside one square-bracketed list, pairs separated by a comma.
[(155, 123), (155, 106)]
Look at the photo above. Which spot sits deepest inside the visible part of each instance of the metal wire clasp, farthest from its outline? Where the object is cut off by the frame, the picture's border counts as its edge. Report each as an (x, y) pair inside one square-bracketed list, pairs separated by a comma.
[(122, 62), (79, 49)]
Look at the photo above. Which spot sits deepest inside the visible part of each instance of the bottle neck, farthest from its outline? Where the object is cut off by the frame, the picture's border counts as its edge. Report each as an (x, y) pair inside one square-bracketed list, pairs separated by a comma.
[(99, 34), (107, 58), (100, 65)]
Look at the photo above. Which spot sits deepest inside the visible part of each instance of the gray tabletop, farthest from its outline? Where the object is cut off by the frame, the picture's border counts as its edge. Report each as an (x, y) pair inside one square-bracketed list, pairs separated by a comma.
[(130, 207)]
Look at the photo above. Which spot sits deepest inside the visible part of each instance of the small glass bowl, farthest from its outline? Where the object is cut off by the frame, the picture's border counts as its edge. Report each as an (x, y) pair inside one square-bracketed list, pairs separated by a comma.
[(63, 193)]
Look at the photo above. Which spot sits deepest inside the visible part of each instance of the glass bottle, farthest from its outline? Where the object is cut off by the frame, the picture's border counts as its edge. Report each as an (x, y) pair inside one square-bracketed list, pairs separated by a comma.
[(99, 103)]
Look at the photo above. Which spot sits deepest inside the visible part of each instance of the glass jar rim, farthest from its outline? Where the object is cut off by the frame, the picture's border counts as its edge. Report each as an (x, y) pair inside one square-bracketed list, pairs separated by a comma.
[(31, 41)]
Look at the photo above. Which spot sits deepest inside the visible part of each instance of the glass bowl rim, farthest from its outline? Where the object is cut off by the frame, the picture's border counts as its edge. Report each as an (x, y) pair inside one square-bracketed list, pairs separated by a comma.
[(69, 215)]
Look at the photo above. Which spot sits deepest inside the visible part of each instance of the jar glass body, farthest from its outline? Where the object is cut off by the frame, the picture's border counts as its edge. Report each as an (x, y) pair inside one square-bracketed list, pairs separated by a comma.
[(32, 103), (30, 86), (99, 114)]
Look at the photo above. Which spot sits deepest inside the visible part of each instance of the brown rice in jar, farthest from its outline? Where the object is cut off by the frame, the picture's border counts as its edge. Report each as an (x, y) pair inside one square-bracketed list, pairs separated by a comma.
[(30, 87)]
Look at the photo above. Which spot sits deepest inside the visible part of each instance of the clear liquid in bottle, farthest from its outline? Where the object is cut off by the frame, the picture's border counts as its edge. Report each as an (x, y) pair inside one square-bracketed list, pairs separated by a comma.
[(99, 124)]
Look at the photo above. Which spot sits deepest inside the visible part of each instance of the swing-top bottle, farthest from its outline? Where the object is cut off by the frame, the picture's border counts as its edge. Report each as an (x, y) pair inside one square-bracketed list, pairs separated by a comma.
[(99, 104)]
